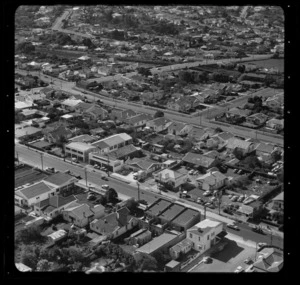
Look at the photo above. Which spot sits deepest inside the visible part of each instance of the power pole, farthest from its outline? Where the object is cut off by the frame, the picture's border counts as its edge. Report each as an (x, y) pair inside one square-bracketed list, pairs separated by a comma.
[(204, 212), (18, 158), (107, 165), (220, 201), (85, 172), (138, 185), (42, 160)]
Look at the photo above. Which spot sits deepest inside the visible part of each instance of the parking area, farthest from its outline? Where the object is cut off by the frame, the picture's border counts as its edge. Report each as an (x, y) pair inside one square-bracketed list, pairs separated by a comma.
[(232, 256)]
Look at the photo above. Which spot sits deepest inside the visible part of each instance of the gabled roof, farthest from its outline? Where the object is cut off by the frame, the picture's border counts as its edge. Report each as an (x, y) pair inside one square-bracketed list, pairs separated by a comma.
[(82, 211), (60, 131), (143, 164), (54, 202), (237, 143), (177, 126), (279, 197), (224, 136), (159, 121), (138, 118), (34, 190), (198, 159), (59, 178), (123, 151), (264, 147)]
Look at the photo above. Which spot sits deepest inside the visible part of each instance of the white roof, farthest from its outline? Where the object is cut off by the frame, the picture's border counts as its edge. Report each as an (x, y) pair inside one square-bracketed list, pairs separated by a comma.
[(67, 116), (71, 102), (80, 146), (23, 105), (58, 234), (207, 223), (22, 267)]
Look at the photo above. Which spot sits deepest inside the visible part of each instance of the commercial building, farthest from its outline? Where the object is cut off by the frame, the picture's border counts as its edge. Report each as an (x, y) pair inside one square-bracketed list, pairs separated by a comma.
[(107, 160), (182, 247), (61, 181), (211, 181), (79, 150), (205, 234), (186, 219)]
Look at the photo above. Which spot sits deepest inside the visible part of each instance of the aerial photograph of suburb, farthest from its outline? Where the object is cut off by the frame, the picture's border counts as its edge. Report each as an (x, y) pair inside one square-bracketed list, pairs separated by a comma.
[(148, 139)]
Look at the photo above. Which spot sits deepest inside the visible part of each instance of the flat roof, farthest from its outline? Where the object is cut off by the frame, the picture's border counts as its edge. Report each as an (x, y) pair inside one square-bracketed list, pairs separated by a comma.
[(172, 212), (82, 138), (80, 146), (185, 217), (59, 178), (158, 207), (156, 243)]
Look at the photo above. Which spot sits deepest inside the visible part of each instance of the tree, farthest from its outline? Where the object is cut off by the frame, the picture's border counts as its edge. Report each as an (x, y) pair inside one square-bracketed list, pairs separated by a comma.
[(145, 262), (159, 114), (30, 234), (111, 195), (238, 153), (61, 141), (25, 47), (218, 130), (44, 265), (144, 71)]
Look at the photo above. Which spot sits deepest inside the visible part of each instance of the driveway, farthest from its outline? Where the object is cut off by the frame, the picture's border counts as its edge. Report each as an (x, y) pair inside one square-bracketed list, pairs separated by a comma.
[(229, 259)]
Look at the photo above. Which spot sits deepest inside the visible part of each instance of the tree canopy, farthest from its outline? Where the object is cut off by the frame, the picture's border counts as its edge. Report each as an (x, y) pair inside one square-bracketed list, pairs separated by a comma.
[(159, 114)]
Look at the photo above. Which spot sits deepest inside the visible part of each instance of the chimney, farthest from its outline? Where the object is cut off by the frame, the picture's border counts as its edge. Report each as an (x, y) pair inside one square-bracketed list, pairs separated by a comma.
[(105, 221)]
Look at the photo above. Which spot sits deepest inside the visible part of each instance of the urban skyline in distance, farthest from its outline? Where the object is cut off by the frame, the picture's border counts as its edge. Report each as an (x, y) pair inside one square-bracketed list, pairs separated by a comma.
[(149, 138)]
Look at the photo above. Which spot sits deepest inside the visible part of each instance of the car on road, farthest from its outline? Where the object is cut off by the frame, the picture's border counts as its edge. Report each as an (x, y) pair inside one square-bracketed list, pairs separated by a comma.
[(206, 193), (230, 196), (258, 230), (207, 259), (104, 178), (84, 92), (91, 197), (233, 226), (213, 199), (96, 166), (248, 261), (239, 269), (50, 169), (191, 172), (105, 186), (261, 244)]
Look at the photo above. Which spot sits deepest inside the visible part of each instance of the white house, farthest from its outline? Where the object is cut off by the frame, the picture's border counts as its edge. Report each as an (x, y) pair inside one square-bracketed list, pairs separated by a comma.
[(182, 247), (211, 181), (204, 234), (171, 177), (34, 193), (159, 124)]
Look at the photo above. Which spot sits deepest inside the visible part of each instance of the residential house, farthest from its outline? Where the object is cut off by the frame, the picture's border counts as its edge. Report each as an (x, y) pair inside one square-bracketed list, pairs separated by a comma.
[(205, 235), (34, 193), (277, 203), (197, 134), (95, 112), (269, 260), (113, 142), (257, 119), (146, 165), (245, 147), (237, 113), (61, 181), (83, 139), (27, 131), (121, 115), (138, 121), (252, 210), (82, 107), (151, 97), (180, 248), (264, 149), (114, 224), (253, 77), (199, 161), (54, 135), (82, 214), (275, 102), (212, 181), (275, 124), (52, 206), (158, 124), (179, 129), (97, 132), (171, 178), (70, 104), (126, 152)]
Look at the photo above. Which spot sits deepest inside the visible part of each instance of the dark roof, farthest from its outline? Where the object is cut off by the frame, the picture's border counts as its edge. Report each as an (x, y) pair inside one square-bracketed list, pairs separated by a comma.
[(185, 217), (60, 131), (123, 151), (172, 212), (198, 159), (35, 190), (158, 207), (59, 178)]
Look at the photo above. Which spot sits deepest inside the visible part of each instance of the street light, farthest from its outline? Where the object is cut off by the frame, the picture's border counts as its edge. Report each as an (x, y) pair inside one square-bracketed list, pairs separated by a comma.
[(138, 185)]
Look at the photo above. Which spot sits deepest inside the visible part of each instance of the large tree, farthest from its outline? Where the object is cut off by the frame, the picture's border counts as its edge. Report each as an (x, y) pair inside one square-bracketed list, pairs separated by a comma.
[(111, 195), (159, 114)]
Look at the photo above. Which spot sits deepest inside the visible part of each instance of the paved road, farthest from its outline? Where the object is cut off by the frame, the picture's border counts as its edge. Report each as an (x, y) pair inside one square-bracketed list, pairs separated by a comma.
[(33, 157)]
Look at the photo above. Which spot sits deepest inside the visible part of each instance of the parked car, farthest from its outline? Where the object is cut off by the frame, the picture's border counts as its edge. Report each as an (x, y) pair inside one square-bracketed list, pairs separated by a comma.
[(230, 196), (191, 172), (258, 230), (233, 226), (199, 200), (207, 259), (91, 197), (213, 199), (104, 178), (206, 193), (105, 186), (248, 261), (261, 244), (239, 269)]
